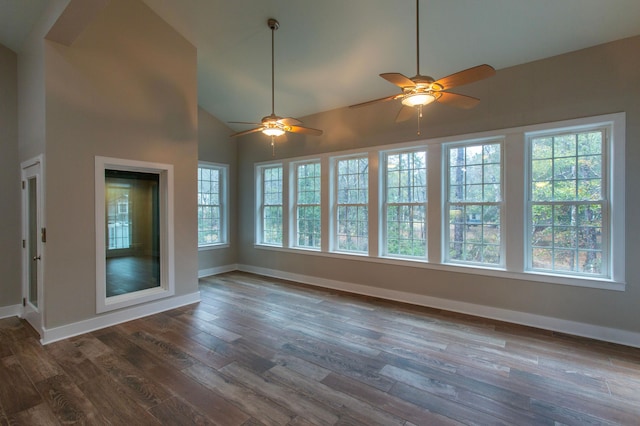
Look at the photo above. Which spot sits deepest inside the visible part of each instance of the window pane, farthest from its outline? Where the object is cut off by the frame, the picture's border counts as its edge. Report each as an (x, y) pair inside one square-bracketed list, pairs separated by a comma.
[(541, 170), (272, 232), (406, 230), (476, 174), (472, 229), (542, 148), (309, 226)]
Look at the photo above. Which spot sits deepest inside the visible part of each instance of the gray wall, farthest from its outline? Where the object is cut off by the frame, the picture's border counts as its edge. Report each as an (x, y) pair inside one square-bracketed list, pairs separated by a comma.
[(214, 145), (126, 88), (10, 198), (594, 81)]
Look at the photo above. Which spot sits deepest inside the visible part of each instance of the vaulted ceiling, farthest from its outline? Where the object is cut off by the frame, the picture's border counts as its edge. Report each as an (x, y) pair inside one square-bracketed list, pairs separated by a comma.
[(329, 53)]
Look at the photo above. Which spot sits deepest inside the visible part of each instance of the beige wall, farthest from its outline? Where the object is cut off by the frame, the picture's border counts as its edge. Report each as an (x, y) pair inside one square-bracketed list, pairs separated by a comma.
[(126, 88), (599, 80), (10, 198), (214, 145), (31, 89)]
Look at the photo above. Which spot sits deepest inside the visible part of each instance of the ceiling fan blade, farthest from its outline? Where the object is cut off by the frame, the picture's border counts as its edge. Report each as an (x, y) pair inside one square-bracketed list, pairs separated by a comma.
[(398, 79), (388, 98), (290, 121), (305, 130), (456, 100), (246, 132), (467, 76), (244, 122), (405, 113)]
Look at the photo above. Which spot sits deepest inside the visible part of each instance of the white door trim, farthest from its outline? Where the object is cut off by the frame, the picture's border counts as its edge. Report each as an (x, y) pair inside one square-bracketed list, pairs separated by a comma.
[(33, 168)]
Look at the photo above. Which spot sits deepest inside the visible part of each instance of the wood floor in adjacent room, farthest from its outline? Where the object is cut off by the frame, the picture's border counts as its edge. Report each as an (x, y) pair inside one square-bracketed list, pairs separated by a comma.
[(259, 351)]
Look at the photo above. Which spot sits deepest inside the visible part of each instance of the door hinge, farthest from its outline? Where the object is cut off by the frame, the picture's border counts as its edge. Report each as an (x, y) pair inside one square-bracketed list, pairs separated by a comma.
[(24, 243), (43, 234), (24, 301), (23, 184)]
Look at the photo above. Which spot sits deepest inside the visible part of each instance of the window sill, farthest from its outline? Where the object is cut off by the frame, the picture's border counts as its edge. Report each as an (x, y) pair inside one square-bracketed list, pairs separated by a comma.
[(587, 282), (213, 246)]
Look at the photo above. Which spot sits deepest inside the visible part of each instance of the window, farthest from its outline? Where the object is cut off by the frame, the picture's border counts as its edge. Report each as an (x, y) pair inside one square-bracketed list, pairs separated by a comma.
[(474, 203), (118, 219), (405, 204), (212, 204), (352, 198), (134, 232), (307, 207), (568, 202), (271, 205), (541, 203)]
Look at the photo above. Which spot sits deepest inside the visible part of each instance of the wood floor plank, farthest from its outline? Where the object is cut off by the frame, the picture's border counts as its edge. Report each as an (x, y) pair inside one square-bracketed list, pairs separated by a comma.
[(163, 349), (134, 383), (175, 411), (41, 414), (90, 345), (198, 351), (114, 404), (492, 386), (282, 395), (67, 402), (34, 360), (267, 411), (387, 402), (17, 392), (442, 406), (13, 329), (343, 404), (73, 362), (214, 406), (301, 366), (344, 362)]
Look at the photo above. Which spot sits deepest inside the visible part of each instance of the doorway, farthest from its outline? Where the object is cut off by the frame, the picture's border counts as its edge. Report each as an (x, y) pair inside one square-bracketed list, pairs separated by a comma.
[(33, 238)]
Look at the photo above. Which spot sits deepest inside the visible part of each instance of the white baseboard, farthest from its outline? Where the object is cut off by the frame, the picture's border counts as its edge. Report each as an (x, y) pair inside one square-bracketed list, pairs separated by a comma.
[(69, 330), (10, 311), (217, 270), (605, 334)]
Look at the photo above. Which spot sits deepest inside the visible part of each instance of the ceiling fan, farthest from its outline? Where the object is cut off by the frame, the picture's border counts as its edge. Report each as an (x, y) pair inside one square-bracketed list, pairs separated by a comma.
[(421, 90), (273, 125)]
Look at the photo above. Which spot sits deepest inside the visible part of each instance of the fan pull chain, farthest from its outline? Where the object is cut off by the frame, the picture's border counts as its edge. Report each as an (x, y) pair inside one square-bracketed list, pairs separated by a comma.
[(273, 146), (419, 117)]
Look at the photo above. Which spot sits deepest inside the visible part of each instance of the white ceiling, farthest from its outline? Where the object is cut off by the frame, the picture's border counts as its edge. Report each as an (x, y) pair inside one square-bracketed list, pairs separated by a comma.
[(329, 52)]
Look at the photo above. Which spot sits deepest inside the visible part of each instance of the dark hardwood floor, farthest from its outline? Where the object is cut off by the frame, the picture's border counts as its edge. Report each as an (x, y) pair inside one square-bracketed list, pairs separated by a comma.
[(259, 351), (131, 273)]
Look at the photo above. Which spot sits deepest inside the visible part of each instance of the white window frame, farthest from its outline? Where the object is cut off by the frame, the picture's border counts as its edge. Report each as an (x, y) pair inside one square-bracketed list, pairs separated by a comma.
[(260, 205), (613, 201), (295, 232), (384, 226), (335, 205), (223, 170), (447, 202), (167, 245)]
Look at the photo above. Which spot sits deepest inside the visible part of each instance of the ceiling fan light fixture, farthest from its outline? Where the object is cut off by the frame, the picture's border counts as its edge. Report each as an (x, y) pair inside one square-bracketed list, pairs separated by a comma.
[(418, 99), (273, 131)]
